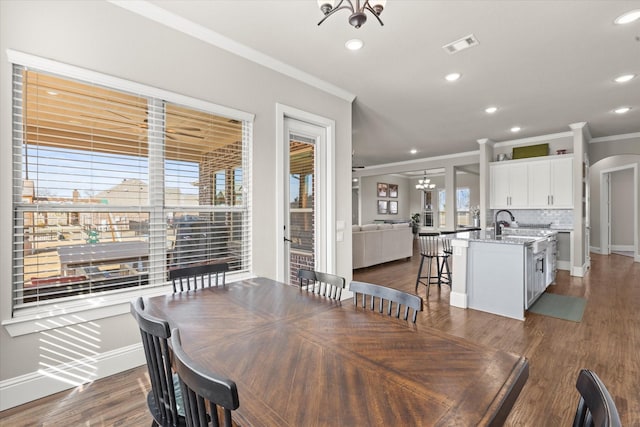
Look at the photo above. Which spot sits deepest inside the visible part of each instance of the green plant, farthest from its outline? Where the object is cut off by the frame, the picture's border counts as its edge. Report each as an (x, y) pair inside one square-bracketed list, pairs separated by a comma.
[(415, 219)]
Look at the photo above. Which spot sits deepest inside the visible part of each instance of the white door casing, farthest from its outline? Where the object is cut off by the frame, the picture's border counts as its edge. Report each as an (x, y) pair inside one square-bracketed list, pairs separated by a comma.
[(290, 118)]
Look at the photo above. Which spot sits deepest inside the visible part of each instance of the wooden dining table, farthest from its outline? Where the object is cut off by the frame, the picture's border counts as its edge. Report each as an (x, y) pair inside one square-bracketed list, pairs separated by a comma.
[(300, 359)]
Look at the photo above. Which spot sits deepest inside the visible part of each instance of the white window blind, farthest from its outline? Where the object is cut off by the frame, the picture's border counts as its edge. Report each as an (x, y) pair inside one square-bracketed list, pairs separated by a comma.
[(111, 189)]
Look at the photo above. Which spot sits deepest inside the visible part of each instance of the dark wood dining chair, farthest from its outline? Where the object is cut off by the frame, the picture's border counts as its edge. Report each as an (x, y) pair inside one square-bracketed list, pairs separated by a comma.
[(165, 398), (596, 407), (431, 249), (183, 279), (200, 386), (390, 295), (320, 283)]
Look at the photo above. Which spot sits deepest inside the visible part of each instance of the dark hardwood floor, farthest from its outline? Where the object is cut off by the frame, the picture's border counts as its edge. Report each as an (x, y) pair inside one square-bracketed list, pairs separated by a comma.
[(606, 341)]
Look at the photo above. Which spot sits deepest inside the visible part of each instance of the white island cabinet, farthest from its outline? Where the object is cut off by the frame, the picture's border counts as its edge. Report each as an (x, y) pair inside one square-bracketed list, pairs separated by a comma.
[(497, 278), (502, 275)]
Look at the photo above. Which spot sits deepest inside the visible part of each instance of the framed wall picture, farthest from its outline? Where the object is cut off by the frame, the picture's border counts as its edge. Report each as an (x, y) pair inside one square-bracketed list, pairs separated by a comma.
[(393, 207), (393, 190), (383, 190), (383, 207)]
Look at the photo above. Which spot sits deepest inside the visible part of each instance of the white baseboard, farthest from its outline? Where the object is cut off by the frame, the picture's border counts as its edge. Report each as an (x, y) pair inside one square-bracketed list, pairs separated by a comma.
[(563, 265), (623, 248), (35, 385), (580, 271), (595, 250), (458, 299)]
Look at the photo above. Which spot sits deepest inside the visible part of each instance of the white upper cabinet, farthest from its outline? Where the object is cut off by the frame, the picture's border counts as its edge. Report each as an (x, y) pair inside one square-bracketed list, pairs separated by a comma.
[(562, 183), (543, 183), (508, 185), (551, 183)]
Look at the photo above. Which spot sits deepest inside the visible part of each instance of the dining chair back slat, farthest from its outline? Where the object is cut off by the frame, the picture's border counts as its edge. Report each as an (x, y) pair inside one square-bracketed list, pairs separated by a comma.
[(186, 278), (388, 295), (204, 392), (325, 284)]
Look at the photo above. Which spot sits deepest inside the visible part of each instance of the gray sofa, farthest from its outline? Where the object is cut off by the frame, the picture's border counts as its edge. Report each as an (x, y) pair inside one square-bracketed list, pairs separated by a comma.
[(378, 243)]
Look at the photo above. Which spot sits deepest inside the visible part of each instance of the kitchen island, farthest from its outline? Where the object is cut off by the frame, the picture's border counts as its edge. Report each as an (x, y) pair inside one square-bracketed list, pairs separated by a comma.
[(501, 274)]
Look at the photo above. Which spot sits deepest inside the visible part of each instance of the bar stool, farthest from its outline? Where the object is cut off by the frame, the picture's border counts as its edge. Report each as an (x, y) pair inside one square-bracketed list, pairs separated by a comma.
[(447, 252), (432, 247)]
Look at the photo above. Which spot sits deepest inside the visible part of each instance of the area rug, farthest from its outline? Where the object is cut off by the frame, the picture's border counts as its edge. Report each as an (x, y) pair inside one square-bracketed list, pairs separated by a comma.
[(559, 306)]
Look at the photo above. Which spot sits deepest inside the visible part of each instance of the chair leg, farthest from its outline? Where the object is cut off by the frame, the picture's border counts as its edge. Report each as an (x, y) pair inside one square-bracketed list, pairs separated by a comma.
[(429, 276), (419, 272), (446, 264), (444, 274)]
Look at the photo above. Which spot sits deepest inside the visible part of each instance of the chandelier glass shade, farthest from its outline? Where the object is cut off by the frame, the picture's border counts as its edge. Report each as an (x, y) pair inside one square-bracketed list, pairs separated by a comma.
[(424, 184), (357, 8)]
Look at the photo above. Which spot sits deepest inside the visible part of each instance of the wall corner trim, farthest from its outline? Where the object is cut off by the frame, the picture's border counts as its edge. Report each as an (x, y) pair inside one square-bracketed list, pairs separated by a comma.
[(458, 299)]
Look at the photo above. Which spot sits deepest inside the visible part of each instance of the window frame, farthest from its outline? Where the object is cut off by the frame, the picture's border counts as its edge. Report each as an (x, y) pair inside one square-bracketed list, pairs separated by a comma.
[(106, 304), (459, 212)]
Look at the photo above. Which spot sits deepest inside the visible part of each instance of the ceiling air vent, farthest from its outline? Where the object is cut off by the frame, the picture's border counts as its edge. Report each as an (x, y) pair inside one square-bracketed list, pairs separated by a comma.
[(462, 44)]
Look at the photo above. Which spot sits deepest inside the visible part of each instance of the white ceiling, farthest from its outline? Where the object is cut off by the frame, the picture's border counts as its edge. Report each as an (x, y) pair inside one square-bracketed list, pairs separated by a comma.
[(545, 64)]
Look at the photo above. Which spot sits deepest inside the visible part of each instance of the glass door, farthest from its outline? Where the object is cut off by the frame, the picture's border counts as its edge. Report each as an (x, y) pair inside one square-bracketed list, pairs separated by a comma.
[(300, 229)]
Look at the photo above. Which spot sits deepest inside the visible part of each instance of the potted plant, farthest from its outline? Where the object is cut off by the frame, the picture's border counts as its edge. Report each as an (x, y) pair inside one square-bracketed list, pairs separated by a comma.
[(415, 223)]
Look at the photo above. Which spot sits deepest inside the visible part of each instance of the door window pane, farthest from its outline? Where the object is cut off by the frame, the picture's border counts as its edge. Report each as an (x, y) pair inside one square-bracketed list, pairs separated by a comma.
[(301, 205)]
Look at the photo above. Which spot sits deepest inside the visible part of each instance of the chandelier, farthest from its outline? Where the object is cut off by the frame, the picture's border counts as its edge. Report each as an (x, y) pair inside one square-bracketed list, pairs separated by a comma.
[(424, 183), (357, 17)]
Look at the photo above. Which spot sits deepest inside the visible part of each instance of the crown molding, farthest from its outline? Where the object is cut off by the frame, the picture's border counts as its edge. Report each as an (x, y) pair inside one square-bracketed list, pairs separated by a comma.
[(200, 32), (615, 138)]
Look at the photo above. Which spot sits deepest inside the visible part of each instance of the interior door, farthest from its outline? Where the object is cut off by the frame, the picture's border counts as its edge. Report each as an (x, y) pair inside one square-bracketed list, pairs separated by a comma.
[(301, 196)]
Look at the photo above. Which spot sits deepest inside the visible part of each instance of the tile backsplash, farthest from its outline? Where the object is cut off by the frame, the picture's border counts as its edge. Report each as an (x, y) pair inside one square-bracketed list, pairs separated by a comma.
[(558, 218)]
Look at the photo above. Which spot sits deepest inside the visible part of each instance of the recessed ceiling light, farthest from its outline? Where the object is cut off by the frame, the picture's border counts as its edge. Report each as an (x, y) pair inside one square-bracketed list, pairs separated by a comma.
[(413, 151), (490, 110), (624, 78), (52, 93), (453, 77), (627, 18), (355, 179), (622, 110), (515, 129), (354, 44)]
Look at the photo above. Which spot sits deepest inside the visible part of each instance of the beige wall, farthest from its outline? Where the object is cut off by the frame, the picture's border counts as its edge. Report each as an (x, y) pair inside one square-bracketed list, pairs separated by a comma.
[(622, 207), (99, 36), (411, 198), (619, 151), (369, 198)]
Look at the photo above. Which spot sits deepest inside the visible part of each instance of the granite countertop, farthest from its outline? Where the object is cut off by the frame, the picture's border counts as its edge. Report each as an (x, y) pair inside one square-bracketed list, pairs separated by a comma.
[(487, 236), (534, 232), (557, 228)]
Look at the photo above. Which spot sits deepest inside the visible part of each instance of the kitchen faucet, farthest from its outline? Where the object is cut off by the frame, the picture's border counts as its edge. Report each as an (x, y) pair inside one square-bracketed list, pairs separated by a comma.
[(498, 226)]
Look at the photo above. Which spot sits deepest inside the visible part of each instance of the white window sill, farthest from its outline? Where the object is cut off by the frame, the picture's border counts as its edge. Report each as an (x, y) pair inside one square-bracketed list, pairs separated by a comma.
[(81, 311), (78, 311)]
